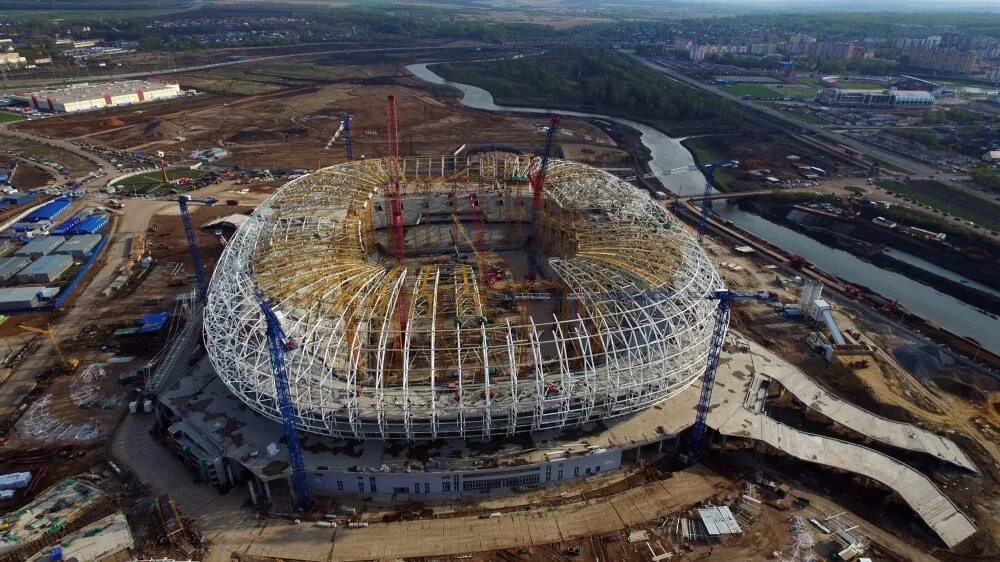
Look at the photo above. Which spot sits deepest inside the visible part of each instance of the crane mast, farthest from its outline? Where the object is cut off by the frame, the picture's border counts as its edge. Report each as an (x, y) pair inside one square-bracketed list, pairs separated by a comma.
[(199, 271), (538, 179), (277, 344), (395, 179), (726, 298), (348, 140)]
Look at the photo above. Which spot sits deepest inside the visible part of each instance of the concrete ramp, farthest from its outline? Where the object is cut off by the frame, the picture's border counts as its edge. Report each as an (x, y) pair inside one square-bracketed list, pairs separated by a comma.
[(917, 490), (898, 434)]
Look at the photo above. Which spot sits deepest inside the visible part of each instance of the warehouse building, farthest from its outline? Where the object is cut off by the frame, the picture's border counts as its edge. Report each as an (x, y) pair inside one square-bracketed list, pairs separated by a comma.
[(84, 97), (884, 99), (14, 298), (45, 269), (41, 246), (80, 246), (10, 266)]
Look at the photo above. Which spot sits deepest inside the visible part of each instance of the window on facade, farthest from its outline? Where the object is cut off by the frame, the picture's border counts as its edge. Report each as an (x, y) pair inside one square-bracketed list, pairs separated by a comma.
[(371, 481), (427, 487), (560, 475), (445, 486), (576, 471), (416, 487), (340, 485), (361, 485)]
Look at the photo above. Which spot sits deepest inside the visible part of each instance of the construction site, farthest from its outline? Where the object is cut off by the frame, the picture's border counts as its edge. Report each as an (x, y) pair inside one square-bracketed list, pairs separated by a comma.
[(417, 331)]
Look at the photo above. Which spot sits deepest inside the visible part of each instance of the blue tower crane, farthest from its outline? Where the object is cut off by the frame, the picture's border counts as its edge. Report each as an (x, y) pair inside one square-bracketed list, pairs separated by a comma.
[(348, 141), (199, 271), (726, 298), (277, 344), (706, 203)]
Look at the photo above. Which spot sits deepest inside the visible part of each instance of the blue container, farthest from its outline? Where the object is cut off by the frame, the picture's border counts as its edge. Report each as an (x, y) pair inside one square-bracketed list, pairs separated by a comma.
[(67, 225), (56, 554)]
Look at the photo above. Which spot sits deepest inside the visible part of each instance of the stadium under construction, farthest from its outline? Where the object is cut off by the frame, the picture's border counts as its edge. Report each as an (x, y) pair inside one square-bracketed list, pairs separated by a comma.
[(454, 316)]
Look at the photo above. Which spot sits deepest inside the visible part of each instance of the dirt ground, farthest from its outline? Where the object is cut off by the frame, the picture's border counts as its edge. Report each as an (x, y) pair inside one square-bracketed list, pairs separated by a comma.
[(290, 128)]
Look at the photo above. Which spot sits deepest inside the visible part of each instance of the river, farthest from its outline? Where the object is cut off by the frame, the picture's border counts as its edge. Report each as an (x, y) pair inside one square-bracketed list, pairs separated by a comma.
[(667, 154)]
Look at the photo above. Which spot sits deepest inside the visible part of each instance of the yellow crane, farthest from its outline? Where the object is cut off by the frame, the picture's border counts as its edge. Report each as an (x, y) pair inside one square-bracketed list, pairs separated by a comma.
[(69, 364)]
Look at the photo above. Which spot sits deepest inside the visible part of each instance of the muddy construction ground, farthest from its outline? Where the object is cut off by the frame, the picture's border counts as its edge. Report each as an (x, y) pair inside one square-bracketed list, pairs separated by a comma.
[(291, 123)]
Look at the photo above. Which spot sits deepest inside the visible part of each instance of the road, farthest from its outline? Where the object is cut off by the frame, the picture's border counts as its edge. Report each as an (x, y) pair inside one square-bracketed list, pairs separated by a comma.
[(253, 60), (105, 166), (792, 125)]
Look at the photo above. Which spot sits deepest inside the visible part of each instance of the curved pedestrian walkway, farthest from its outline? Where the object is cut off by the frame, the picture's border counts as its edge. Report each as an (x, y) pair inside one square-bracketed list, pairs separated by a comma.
[(917, 490), (898, 434)]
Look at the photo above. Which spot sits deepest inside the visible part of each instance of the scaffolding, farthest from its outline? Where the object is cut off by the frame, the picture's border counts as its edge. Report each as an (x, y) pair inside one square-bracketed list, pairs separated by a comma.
[(593, 311)]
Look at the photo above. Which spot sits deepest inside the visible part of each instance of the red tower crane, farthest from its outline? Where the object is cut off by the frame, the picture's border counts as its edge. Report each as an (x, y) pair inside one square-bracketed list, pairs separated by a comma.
[(397, 233), (538, 179)]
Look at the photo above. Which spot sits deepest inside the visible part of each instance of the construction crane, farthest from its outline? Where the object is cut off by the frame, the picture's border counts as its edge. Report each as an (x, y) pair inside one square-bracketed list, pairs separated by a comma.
[(726, 298), (538, 179), (348, 140), (480, 258), (69, 364), (477, 221), (199, 272), (395, 179), (706, 201), (163, 166), (277, 344)]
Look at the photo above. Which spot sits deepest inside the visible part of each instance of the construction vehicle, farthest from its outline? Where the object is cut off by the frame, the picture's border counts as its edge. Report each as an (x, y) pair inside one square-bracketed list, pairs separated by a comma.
[(69, 364)]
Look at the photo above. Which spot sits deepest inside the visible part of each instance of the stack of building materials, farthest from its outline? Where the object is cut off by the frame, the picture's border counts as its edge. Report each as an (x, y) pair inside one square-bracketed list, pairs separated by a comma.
[(106, 540), (40, 247), (50, 210), (79, 246), (15, 480), (10, 266), (46, 269), (92, 225)]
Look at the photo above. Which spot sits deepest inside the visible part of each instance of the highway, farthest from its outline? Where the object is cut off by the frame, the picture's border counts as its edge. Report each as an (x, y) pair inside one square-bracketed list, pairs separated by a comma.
[(792, 125)]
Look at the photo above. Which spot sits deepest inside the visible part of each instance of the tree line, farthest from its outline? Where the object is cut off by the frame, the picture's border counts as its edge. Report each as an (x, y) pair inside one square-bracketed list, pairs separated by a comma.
[(595, 77)]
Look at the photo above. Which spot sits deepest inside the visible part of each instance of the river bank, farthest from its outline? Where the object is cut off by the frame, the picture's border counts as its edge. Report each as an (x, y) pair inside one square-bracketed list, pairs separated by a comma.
[(949, 320), (872, 252)]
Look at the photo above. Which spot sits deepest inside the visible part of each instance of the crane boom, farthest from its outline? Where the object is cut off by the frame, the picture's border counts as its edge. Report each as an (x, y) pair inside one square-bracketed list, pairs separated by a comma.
[(277, 344), (69, 364), (199, 271)]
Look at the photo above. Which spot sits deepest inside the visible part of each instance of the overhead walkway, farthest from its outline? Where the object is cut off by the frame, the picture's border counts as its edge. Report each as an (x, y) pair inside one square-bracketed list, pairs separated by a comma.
[(940, 514), (898, 434)]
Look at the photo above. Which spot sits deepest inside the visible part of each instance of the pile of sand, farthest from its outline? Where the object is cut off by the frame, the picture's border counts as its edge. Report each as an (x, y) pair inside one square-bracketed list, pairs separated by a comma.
[(159, 130), (112, 123)]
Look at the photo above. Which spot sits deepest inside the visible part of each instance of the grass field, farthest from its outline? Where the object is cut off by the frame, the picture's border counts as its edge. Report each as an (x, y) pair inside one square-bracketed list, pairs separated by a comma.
[(6, 117), (752, 90), (152, 184), (941, 197), (806, 92)]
